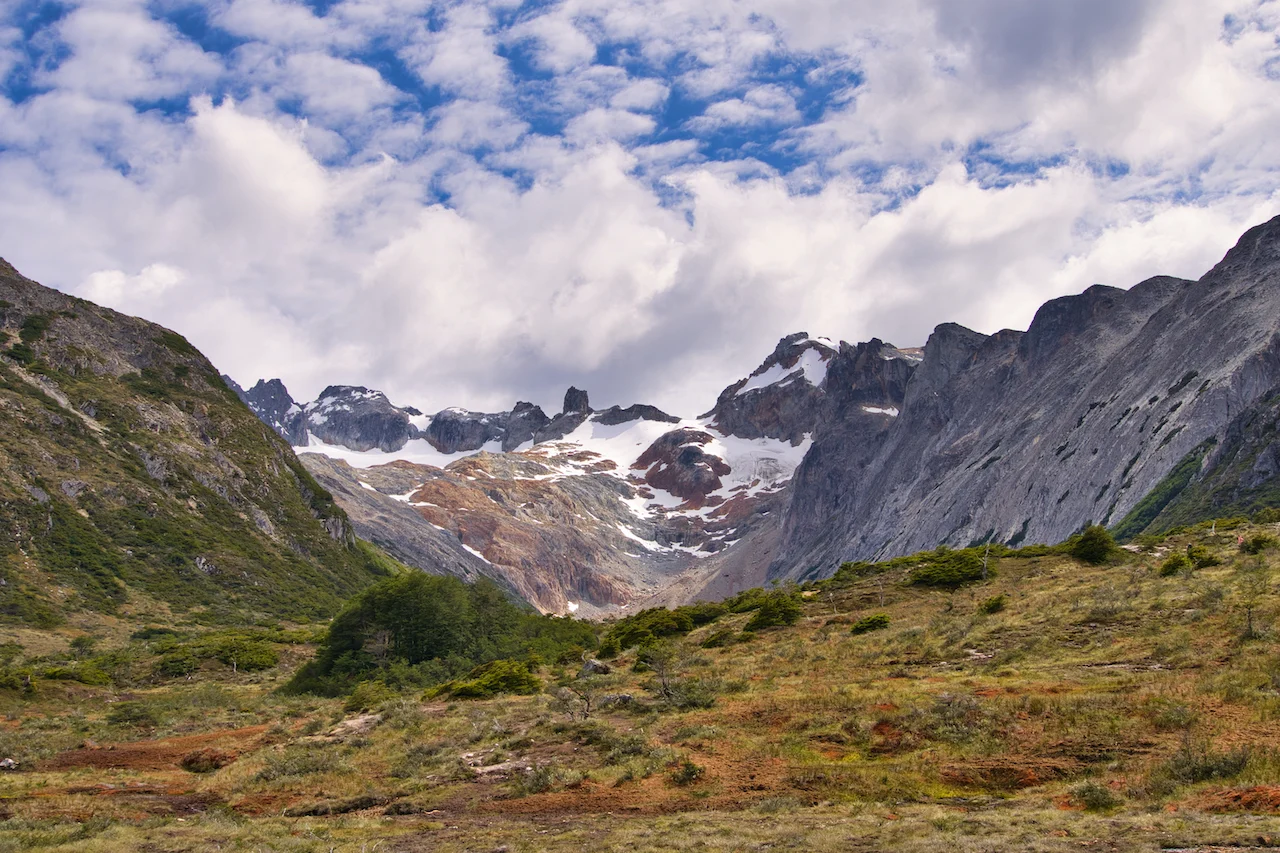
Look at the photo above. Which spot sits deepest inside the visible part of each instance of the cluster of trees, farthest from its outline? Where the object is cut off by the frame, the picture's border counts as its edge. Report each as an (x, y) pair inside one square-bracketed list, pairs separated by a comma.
[(422, 630)]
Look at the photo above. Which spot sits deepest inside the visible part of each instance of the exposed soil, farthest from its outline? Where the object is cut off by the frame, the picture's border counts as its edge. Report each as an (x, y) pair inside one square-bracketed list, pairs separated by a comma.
[(163, 754)]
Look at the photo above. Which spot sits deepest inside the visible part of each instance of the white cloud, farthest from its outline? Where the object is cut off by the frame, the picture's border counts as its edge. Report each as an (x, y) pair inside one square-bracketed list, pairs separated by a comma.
[(115, 289), (475, 124), (462, 58), (760, 104), (280, 23), (119, 52), (488, 236), (646, 94), (10, 49)]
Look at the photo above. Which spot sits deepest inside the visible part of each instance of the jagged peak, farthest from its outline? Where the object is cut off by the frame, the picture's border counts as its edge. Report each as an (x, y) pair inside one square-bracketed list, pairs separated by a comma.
[(576, 401), (617, 415), (1257, 250)]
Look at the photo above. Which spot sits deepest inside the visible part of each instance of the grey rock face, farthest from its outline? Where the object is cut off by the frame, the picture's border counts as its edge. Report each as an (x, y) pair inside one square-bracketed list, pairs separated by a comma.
[(1025, 437), (357, 418), (575, 400), (274, 406), (457, 430), (617, 415), (523, 424), (777, 400)]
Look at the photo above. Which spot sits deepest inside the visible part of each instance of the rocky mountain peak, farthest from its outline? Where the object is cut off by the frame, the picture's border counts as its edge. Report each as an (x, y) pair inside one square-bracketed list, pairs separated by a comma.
[(356, 417), (271, 402), (576, 400), (1257, 253), (782, 397)]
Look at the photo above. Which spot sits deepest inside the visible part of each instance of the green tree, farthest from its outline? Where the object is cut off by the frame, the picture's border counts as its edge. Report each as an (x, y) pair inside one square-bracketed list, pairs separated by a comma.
[(1095, 545), (1253, 582)]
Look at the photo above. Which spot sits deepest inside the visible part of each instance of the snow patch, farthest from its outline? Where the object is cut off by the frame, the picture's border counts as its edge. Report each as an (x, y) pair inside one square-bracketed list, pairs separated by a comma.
[(812, 366), (418, 451), (476, 553), (643, 543), (891, 411)]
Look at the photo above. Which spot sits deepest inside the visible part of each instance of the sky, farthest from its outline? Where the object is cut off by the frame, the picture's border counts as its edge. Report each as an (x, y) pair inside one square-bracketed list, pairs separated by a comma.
[(469, 203)]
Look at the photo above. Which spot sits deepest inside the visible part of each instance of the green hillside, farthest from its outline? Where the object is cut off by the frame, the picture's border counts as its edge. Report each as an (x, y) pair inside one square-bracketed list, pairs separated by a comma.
[(133, 482)]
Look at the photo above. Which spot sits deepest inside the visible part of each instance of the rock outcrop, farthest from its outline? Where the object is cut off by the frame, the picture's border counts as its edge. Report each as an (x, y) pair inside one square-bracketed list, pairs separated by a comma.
[(784, 395)]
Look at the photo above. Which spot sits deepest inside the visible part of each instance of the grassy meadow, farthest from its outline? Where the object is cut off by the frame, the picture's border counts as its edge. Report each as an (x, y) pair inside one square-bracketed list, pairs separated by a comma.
[(1056, 705)]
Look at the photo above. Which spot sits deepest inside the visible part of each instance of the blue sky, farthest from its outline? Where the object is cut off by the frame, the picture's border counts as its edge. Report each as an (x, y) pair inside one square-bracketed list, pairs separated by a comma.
[(466, 203)]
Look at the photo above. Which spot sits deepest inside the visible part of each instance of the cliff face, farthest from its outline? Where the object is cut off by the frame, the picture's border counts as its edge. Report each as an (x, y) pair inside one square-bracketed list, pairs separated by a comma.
[(1026, 437)]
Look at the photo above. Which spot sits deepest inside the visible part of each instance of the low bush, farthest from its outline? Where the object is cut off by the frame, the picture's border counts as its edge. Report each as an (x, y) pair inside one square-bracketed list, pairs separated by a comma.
[(206, 760), (1258, 543), (367, 696), (947, 568), (1095, 797), (686, 772), (994, 604), (491, 679), (1198, 763), (1176, 563), (781, 607), (866, 624), (719, 639), (299, 761), (1094, 546)]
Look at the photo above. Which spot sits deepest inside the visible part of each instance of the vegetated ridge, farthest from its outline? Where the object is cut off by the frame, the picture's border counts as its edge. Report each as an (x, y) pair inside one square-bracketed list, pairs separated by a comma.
[(134, 482)]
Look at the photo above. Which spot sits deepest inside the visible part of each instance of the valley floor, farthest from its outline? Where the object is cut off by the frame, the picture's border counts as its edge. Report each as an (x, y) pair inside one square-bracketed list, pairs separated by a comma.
[(1057, 706)]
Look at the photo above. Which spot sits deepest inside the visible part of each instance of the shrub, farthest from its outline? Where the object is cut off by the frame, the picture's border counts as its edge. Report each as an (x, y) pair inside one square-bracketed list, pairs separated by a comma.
[(866, 624), (85, 673), (492, 679), (686, 772), (1267, 515), (1195, 763), (946, 568), (247, 655), (1201, 557), (1169, 715), (299, 761), (1095, 545), (535, 780), (1095, 797), (367, 696), (137, 714), (1258, 543), (993, 605), (1175, 563), (206, 760), (718, 639), (781, 607)]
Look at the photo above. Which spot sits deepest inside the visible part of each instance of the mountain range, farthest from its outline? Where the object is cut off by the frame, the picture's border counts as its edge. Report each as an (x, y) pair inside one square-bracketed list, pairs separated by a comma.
[(1138, 409), (134, 479)]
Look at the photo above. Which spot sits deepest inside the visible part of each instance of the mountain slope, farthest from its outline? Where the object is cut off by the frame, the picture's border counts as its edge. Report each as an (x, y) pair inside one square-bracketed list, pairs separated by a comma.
[(130, 475), (1028, 436)]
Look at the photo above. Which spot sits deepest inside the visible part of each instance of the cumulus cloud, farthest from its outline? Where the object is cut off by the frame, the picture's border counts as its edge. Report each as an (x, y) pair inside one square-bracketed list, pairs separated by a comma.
[(473, 202)]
